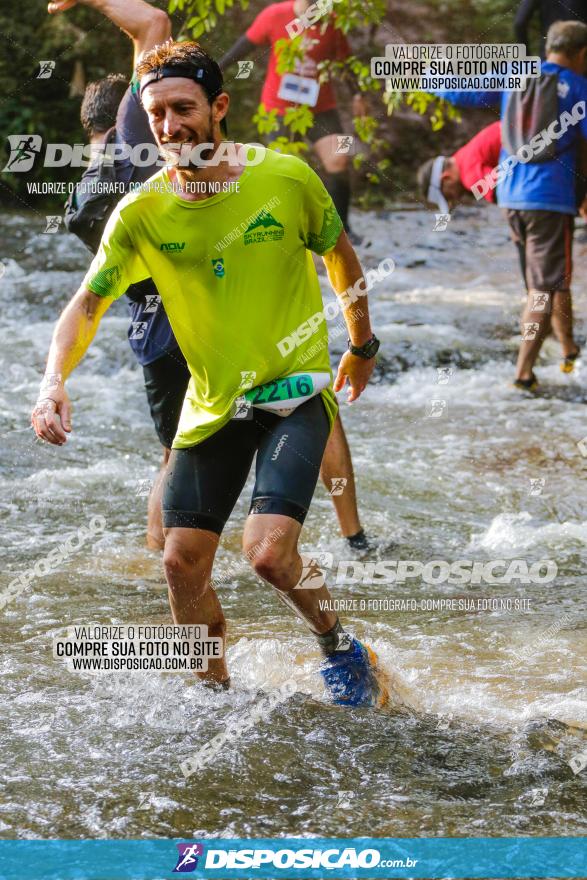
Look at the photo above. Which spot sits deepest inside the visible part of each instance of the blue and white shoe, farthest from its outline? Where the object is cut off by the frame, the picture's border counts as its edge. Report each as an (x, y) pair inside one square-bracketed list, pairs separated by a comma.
[(350, 675)]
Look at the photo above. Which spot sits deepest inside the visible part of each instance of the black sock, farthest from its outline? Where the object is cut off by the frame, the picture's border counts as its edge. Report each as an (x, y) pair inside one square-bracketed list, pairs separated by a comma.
[(339, 189), (358, 541), (333, 640)]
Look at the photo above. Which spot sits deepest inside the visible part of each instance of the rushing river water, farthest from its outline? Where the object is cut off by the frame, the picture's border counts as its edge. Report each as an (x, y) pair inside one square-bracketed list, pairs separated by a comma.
[(489, 706)]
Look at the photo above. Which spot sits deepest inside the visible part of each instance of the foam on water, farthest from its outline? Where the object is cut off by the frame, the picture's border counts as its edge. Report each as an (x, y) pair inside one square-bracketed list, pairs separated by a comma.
[(467, 734), (509, 533)]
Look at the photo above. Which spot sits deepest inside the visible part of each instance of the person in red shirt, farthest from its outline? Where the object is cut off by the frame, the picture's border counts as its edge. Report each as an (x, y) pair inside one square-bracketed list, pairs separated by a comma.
[(445, 180), (321, 41)]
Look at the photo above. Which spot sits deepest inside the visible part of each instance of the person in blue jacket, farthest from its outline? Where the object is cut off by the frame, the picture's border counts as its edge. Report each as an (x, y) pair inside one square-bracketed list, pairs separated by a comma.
[(544, 130)]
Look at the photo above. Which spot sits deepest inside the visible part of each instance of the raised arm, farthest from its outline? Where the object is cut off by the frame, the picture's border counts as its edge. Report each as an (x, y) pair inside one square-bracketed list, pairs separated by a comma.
[(145, 25), (524, 14), (72, 336), (256, 36)]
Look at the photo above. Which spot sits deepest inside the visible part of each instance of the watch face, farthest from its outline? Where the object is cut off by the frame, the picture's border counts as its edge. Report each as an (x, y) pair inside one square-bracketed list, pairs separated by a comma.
[(370, 348)]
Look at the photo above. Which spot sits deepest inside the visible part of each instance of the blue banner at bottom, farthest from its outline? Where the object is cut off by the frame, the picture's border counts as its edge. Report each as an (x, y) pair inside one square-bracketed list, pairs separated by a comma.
[(291, 858)]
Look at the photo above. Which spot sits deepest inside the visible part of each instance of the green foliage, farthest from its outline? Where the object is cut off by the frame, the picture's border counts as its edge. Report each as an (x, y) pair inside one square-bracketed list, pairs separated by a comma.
[(81, 40), (28, 105), (352, 70), (292, 148), (266, 120), (288, 52), (353, 15), (350, 16), (298, 119), (206, 14), (366, 128), (441, 110), (84, 46), (372, 159)]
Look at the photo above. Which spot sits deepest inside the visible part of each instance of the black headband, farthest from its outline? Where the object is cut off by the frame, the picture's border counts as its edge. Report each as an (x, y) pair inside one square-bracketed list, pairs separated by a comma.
[(210, 81)]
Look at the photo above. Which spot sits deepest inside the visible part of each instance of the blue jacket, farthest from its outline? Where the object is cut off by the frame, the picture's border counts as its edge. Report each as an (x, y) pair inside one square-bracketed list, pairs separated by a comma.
[(540, 186)]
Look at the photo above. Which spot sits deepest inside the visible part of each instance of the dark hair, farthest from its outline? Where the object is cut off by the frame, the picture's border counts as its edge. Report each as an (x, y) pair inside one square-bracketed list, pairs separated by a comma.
[(100, 102), (566, 37), (185, 54)]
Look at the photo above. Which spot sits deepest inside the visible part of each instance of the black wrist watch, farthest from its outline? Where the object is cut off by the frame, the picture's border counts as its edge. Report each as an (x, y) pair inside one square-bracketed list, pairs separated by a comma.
[(366, 351)]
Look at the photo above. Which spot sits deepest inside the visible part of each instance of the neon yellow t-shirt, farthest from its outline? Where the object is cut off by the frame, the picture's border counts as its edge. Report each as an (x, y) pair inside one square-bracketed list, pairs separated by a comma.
[(235, 275)]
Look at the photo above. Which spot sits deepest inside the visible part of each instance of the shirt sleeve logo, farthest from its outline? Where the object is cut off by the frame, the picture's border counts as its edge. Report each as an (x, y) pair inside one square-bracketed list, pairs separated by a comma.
[(107, 279)]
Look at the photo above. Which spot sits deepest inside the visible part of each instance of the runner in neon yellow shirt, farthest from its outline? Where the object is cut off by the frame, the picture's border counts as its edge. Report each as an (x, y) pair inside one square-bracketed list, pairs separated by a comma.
[(228, 247), (275, 211)]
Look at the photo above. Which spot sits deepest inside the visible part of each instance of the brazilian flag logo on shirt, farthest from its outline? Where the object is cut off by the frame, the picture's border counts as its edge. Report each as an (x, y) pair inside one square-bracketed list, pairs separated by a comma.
[(218, 266)]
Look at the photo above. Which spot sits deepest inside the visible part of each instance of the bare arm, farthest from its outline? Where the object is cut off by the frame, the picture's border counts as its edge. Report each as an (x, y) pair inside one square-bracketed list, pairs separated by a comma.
[(72, 336), (346, 277), (145, 26)]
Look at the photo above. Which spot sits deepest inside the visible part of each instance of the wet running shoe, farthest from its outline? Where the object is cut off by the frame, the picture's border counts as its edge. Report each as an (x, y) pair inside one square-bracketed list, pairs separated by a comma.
[(568, 363), (530, 384), (363, 545), (351, 678), (360, 541)]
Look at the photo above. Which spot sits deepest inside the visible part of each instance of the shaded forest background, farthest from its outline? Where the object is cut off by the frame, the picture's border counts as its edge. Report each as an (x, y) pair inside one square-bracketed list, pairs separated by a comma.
[(85, 47)]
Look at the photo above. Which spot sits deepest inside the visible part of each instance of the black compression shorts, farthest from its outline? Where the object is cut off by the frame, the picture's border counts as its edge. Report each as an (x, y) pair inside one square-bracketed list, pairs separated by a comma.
[(203, 482), (166, 382)]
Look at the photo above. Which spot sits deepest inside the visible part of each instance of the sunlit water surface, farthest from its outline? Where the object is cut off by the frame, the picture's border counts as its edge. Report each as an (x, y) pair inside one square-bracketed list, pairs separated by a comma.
[(488, 707)]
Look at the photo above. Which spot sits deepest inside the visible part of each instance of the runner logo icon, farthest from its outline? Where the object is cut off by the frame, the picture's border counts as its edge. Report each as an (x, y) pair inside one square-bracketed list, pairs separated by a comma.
[(187, 860), (312, 576), (24, 149)]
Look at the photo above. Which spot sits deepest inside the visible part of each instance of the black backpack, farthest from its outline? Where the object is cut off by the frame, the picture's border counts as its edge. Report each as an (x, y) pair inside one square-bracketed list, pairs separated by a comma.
[(94, 198), (529, 112)]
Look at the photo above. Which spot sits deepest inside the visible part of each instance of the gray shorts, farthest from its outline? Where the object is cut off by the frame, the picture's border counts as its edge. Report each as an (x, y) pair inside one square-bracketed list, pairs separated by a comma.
[(545, 242)]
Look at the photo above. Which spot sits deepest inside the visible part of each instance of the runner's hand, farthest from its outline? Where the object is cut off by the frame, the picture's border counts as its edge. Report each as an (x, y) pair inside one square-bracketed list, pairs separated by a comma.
[(60, 6), (52, 403), (357, 370)]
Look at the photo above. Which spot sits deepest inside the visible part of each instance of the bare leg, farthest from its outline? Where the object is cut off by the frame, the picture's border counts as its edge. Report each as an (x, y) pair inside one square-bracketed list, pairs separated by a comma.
[(535, 327), (188, 559), (333, 162), (337, 466), (155, 537), (562, 321), (279, 562)]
